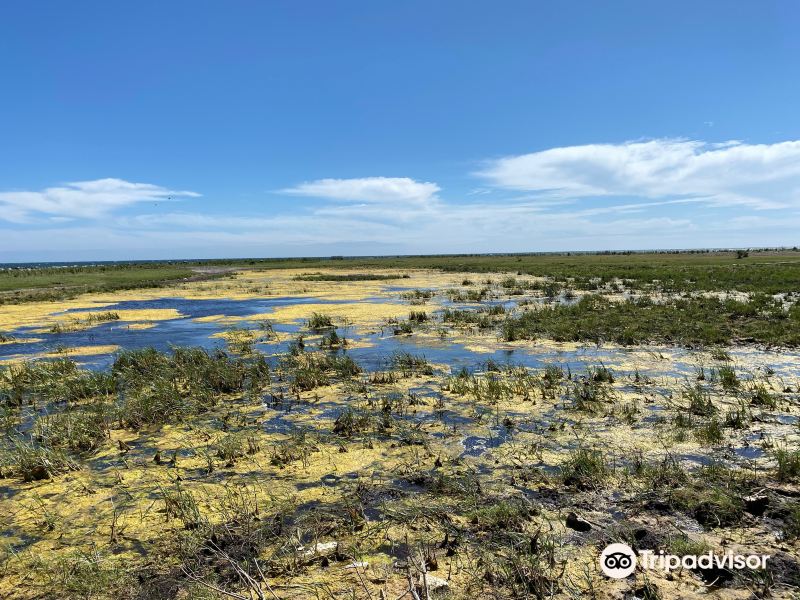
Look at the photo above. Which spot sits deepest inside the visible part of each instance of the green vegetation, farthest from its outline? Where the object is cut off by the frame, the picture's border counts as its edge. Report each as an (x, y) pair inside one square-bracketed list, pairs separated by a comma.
[(788, 464), (585, 469), (319, 322), (768, 271), (92, 319), (763, 271), (59, 283), (713, 505), (792, 525), (409, 364), (686, 321)]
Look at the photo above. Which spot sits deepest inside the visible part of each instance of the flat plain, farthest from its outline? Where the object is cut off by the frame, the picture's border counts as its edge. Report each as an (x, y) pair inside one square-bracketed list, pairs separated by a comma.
[(411, 427)]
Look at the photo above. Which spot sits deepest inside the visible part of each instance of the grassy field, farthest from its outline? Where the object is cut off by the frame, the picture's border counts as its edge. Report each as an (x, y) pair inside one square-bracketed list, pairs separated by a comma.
[(27, 285), (688, 322), (763, 271)]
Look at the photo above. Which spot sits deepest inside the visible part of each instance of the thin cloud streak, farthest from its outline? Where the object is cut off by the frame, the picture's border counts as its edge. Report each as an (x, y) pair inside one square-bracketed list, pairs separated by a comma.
[(368, 189), (82, 199)]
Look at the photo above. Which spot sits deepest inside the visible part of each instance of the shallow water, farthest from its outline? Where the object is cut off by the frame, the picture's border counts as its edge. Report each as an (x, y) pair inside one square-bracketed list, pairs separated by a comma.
[(381, 345), (164, 334)]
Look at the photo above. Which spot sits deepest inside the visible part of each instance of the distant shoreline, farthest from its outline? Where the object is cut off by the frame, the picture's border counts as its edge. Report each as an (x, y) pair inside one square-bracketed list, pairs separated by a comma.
[(251, 259)]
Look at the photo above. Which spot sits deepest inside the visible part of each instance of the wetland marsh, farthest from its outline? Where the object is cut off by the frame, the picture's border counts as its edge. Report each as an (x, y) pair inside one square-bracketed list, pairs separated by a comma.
[(426, 427)]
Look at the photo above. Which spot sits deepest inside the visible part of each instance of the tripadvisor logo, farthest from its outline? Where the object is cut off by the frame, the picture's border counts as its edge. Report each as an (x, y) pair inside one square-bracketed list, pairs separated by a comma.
[(619, 560)]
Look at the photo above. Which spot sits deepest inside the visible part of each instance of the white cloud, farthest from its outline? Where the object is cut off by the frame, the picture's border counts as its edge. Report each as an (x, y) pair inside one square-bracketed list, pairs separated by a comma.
[(657, 194), (368, 189), (731, 173), (82, 199)]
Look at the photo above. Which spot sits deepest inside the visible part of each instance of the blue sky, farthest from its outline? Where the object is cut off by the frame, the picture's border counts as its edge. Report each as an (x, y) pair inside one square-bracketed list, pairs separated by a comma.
[(204, 129)]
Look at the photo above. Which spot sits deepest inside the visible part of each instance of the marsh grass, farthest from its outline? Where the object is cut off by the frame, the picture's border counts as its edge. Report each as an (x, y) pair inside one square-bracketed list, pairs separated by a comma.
[(58, 380), (791, 526), (710, 433), (666, 473), (318, 322), (727, 377), (712, 506), (788, 464), (760, 396), (409, 364), (181, 504), (489, 388), (675, 271), (418, 316), (504, 515), (298, 446), (59, 283), (80, 431), (144, 387), (601, 374), (720, 354), (333, 341), (587, 395), (461, 513), (585, 469), (470, 296), (240, 340), (310, 370), (77, 323), (351, 422), (83, 573), (384, 377), (683, 545), (417, 295), (32, 461), (233, 446), (700, 403), (157, 388), (524, 568), (713, 495), (694, 321), (404, 328), (739, 417), (485, 317)]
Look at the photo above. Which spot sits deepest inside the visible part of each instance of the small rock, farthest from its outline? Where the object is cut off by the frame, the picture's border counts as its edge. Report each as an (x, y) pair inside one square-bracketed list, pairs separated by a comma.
[(357, 565), (756, 504), (435, 584), (37, 473), (577, 523)]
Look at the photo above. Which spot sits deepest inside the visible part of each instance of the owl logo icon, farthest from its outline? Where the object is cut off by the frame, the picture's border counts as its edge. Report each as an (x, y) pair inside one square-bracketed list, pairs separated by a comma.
[(618, 561)]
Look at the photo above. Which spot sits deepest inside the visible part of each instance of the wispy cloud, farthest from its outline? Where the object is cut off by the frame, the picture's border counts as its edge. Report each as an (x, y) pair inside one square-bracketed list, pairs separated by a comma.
[(381, 190), (81, 199), (643, 194), (762, 176)]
